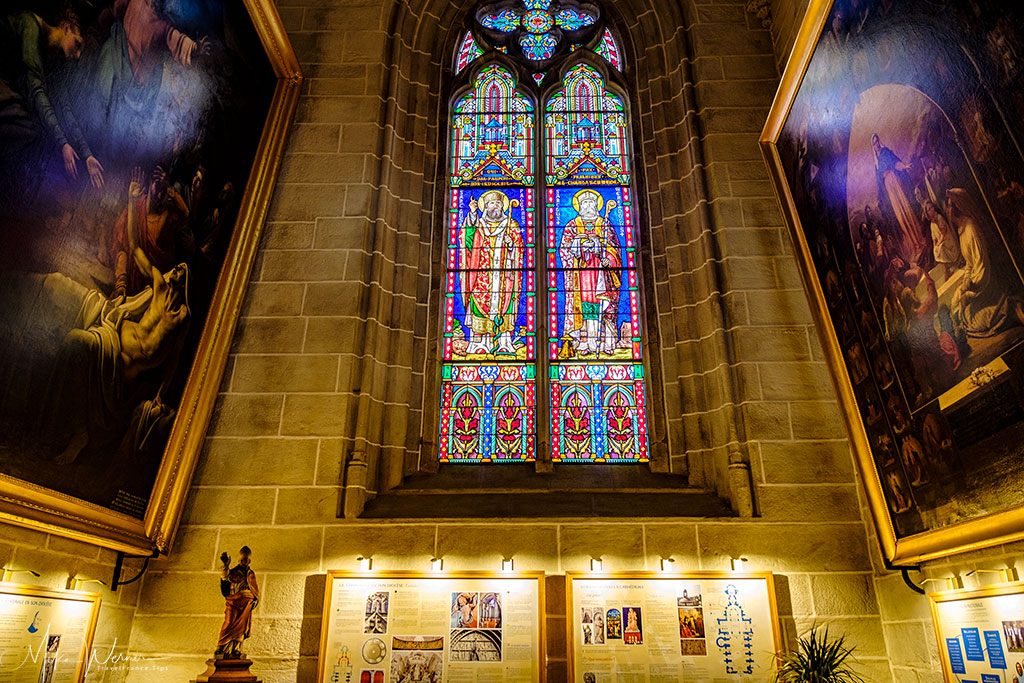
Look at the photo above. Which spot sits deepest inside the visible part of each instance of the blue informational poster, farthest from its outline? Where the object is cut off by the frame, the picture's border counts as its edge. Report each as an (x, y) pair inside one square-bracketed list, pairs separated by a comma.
[(956, 655), (972, 645), (994, 646), (980, 633)]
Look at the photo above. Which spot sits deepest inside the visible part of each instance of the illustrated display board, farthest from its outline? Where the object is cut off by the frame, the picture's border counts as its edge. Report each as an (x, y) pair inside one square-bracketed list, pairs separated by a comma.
[(981, 633), (45, 635), (451, 627), (652, 627)]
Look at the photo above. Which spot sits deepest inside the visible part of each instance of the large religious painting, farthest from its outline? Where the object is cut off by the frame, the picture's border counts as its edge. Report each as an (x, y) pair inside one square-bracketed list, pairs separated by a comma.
[(139, 140), (894, 143)]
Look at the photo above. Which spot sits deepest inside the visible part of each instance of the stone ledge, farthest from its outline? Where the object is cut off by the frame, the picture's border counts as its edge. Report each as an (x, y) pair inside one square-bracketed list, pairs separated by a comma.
[(518, 491)]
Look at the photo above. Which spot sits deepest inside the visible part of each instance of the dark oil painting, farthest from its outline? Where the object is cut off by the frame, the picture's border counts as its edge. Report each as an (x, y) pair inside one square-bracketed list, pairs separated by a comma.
[(128, 130), (903, 154)]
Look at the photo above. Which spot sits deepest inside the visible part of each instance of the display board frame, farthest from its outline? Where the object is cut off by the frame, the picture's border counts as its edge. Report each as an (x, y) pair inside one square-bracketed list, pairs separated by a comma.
[(39, 592), (697, 575), (336, 574), (983, 593)]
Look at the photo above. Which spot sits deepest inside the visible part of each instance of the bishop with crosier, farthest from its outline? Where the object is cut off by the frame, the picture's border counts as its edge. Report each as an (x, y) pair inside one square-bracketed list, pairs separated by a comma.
[(589, 250), (491, 262)]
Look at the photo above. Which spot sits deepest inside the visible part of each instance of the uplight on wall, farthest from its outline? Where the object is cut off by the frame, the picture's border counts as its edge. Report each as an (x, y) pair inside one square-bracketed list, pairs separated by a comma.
[(436, 564), (508, 565), (737, 563), (75, 584), (8, 573), (365, 563), (1009, 574), (596, 564)]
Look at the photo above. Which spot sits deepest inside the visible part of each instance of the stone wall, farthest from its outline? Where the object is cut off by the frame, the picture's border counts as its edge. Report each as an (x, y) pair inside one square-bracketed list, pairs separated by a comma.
[(332, 345), (786, 16)]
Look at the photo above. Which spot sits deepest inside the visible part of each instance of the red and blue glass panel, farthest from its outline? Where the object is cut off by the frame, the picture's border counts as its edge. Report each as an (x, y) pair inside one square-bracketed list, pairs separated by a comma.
[(490, 303), (488, 413), (598, 413), (593, 292), (492, 133), (585, 133)]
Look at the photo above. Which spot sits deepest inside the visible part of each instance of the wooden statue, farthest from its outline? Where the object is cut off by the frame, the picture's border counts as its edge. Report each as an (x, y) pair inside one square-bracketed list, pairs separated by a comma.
[(241, 595)]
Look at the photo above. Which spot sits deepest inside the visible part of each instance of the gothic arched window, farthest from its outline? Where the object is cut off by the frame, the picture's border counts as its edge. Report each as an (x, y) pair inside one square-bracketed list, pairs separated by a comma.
[(542, 343)]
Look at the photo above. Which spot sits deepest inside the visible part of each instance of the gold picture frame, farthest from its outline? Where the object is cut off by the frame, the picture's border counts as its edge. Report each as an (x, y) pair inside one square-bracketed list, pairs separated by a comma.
[(671, 577), (834, 38), (980, 608), (35, 598), (30, 505), (391, 577)]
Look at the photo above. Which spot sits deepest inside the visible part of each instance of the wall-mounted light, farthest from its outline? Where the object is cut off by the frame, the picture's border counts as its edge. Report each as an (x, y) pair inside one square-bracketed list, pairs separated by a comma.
[(436, 564), (75, 584), (8, 573), (596, 564), (737, 563), (1008, 574), (666, 564), (508, 565), (365, 563)]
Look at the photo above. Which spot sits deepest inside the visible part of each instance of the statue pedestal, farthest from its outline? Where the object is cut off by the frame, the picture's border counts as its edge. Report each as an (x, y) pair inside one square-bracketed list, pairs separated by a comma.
[(221, 670)]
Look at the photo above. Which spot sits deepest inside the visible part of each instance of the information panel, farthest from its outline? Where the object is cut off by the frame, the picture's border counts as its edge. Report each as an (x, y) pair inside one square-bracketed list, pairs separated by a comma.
[(652, 627), (981, 633), (45, 635), (452, 627)]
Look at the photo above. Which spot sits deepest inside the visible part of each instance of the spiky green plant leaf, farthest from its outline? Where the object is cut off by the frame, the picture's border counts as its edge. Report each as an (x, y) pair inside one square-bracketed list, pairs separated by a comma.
[(817, 659)]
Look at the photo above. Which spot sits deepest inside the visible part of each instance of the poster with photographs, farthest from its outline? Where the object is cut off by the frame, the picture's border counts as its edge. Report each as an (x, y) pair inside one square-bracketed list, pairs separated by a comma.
[(980, 633), (464, 627), (45, 635), (696, 626), (894, 144)]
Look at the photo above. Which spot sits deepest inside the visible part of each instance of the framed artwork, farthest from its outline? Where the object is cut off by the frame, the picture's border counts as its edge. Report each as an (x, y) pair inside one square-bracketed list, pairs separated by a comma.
[(689, 626), (139, 143), (980, 632), (46, 635), (451, 626), (894, 146)]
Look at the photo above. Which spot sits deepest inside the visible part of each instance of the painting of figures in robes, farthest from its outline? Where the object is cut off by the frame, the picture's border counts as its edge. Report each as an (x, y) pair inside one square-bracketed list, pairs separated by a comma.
[(898, 159), (128, 132)]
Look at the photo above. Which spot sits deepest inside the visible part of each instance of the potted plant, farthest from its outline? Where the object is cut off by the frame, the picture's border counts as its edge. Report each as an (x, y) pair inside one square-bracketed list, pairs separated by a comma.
[(817, 658)]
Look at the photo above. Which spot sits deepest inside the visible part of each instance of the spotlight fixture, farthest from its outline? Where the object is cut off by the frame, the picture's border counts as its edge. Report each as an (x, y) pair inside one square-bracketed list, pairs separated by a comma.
[(508, 565), (365, 563), (596, 564), (436, 564), (737, 562), (666, 564)]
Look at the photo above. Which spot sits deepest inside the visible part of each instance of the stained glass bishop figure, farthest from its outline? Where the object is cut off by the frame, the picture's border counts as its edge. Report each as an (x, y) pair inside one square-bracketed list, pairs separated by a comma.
[(492, 251)]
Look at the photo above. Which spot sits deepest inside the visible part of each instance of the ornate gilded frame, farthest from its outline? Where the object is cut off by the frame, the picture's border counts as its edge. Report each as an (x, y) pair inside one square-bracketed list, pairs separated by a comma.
[(33, 506), (709, 575), (977, 594), (536, 576), (67, 595), (984, 531)]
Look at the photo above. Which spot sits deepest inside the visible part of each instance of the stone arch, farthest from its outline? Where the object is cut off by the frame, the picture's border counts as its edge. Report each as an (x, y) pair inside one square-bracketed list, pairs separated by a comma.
[(700, 430)]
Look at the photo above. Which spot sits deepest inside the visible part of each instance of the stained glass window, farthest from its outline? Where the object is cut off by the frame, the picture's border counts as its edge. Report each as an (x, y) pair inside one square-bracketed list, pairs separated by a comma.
[(488, 409), (594, 337), (542, 298), (609, 50), (468, 51)]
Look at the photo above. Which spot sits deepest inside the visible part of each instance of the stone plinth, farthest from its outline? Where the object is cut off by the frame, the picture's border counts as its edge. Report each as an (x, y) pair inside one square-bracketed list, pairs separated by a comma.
[(223, 670)]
